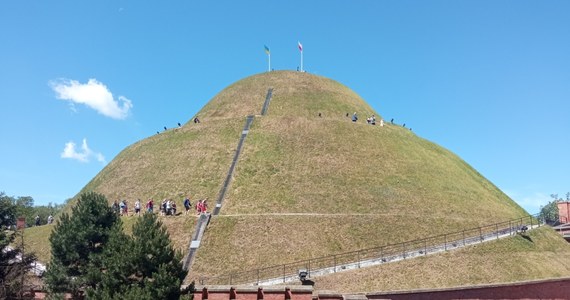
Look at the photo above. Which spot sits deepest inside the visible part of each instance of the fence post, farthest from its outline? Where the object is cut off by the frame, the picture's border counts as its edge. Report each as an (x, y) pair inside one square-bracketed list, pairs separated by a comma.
[(358, 253), (480, 235), (257, 276), (231, 278), (283, 273), (404, 252), (464, 238), (445, 242), (425, 247), (510, 228), (497, 230), (309, 268)]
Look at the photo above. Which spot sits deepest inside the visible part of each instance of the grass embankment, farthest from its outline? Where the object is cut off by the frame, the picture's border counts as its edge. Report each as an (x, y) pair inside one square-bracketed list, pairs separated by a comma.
[(543, 255), (180, 229), (191, 160), (244, 243), (36, 239), (373, 186), (320, 166), (296, 162)]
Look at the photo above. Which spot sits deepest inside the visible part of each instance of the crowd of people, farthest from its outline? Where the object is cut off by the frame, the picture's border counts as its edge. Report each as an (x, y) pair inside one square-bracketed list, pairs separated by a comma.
[(167, 207)]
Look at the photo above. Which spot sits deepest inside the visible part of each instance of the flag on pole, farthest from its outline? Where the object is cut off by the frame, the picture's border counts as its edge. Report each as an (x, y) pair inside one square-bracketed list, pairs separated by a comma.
[(301, 49), (268, 58)]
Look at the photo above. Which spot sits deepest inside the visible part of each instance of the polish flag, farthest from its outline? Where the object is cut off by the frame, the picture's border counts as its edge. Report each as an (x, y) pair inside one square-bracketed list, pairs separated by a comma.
[(300, 46)]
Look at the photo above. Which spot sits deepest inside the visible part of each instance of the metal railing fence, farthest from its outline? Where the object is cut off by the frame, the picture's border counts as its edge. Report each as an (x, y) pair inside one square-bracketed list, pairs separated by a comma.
[(376, 255)]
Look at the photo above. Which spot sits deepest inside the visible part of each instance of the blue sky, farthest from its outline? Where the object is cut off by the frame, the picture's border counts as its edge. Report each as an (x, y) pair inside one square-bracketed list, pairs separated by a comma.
[(81, 80)]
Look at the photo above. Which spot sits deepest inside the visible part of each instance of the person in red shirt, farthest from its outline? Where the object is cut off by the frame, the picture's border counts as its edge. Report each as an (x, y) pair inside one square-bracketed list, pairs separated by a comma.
[(199, 206), (204, 205), (149, 206)]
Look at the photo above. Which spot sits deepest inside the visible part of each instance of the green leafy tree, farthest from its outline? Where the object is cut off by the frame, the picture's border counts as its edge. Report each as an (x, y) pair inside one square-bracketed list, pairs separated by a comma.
[(144, 266), (77, 243), (14, 264), (24, 207), (8, 211), (549, 213)]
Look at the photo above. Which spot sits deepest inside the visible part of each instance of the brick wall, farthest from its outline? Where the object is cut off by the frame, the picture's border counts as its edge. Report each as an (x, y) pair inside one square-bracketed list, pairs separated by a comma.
[(253, 293), (541, 289), (564, 212)]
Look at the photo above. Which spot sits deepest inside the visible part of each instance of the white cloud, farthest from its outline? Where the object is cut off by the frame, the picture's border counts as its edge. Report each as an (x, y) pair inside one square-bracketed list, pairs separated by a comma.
[(93, 94), (84, 155)]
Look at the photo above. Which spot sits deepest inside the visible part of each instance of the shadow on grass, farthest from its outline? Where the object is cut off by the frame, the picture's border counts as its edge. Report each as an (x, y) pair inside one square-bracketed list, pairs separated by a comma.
[(308, 282), (526, 237)]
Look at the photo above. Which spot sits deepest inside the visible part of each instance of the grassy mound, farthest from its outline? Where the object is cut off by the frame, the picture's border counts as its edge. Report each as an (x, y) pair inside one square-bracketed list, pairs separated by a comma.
[(305, 185)]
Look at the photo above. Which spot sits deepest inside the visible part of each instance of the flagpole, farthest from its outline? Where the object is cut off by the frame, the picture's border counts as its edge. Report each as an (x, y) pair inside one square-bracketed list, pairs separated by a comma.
[(269, 58), (301, 60), (301, 49)]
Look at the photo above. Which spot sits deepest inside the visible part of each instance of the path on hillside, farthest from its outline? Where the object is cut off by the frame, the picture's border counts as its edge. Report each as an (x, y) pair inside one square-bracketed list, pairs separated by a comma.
[(318, 215), (204, 219), (362, 258), (405, 254)]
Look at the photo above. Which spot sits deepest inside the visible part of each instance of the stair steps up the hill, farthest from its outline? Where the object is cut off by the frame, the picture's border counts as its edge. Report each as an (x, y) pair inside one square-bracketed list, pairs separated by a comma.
[(267, 100), (202, 223), (205, 218), (230, 174)]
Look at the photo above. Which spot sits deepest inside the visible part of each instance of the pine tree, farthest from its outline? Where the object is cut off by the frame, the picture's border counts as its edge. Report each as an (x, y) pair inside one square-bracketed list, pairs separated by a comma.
[(77, 243), (157, 264), (144, 266)]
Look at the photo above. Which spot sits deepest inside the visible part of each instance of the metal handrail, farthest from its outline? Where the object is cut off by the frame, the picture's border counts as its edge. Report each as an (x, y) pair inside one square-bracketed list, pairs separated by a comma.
[(386, 253)]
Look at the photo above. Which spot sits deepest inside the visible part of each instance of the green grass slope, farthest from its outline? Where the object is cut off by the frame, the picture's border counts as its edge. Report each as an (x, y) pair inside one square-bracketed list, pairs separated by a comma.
[(362, 185), (190, 160), (305, 186), (544, 255)]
